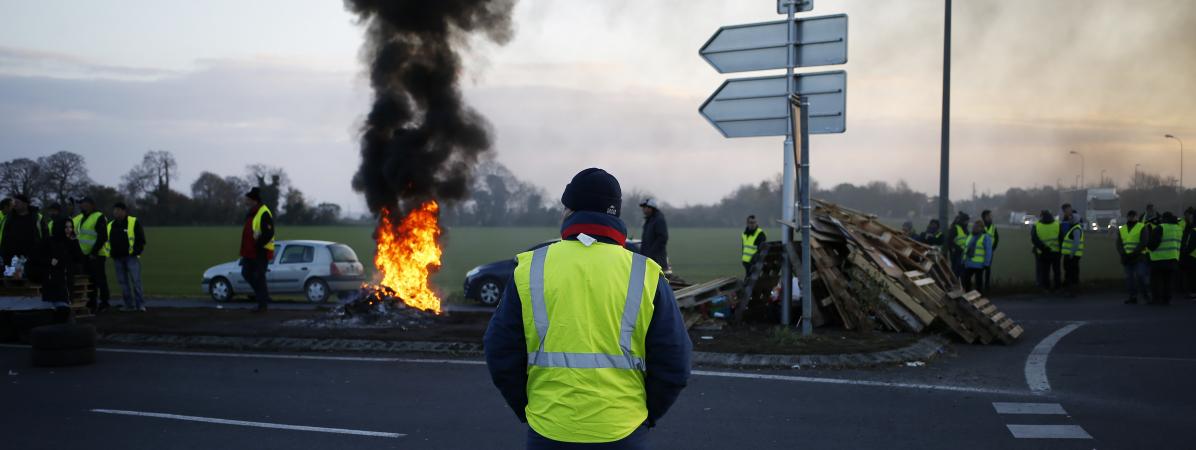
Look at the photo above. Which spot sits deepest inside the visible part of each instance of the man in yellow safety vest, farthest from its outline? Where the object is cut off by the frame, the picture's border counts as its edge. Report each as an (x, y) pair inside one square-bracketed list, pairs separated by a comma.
[(126, 241), (1187, 257), (1045, 238), (1071, 247), (752, 238), (990, 228), (92, 228), (1131, 246), (587, 345), (257, 247), (1164, 257)]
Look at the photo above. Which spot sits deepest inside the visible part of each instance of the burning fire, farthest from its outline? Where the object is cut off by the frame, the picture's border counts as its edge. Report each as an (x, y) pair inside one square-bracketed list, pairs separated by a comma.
[(408, 253)]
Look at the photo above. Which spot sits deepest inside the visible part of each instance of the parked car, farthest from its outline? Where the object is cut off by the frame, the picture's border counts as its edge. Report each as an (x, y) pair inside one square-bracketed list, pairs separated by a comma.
[(486, 283), (317, 269)]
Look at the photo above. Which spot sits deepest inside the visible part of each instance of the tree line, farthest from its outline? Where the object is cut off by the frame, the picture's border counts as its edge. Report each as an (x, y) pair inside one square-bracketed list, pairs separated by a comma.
[(149, 191)]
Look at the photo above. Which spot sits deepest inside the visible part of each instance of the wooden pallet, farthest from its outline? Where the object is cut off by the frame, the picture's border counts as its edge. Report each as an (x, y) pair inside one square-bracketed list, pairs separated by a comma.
[(987, 316)]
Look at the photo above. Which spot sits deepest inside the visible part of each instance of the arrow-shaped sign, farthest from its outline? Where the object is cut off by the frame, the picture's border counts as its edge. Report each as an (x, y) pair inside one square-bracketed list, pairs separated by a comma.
[(744, 107), (819, 41)]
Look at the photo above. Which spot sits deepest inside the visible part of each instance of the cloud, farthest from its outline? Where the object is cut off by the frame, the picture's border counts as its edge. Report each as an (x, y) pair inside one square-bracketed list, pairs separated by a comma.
[(29, 62)]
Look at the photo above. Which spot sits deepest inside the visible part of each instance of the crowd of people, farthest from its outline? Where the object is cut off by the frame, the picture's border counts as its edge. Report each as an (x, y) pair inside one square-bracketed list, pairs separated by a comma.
[(1157, 251), (51, 245)]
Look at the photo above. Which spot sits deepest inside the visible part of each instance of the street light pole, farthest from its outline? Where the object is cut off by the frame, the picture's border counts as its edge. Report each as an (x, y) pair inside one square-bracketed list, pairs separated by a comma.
[(1081, 155), (945, 129), (1181, 160), (1102, 178)]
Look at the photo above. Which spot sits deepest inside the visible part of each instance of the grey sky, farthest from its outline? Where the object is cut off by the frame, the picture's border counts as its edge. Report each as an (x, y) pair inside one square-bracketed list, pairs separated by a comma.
[(609, 83)]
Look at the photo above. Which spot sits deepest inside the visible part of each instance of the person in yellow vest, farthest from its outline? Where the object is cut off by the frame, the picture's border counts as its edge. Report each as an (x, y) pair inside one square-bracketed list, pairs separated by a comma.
[(1164, 257), (92, 229), (977, 255), (257, 247), (990, 228), (752, 238), (1187, 257), (5, 210), (959, 237), (51, 214), (1045, 238), (125, 244), (1072, 249), (587, 345), (1131, 247)]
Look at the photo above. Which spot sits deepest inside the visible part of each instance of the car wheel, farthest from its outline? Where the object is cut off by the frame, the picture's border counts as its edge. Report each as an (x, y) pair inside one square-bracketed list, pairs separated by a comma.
[(221, 289), (489, 292), (316, 290)]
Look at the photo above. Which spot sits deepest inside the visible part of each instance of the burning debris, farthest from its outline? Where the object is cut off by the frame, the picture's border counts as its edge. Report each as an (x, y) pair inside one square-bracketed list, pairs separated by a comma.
[(420, 140)]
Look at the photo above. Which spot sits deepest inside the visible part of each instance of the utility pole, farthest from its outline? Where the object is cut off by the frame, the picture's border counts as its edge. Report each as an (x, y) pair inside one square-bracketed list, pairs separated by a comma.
[(1181, 160), (945, 143)]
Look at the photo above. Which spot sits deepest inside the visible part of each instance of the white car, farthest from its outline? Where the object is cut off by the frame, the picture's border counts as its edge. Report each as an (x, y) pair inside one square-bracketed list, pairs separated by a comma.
[(317, 269)]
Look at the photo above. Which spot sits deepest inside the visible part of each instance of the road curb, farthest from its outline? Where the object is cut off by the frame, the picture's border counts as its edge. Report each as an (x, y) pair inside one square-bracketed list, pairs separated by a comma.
[(924, 349)]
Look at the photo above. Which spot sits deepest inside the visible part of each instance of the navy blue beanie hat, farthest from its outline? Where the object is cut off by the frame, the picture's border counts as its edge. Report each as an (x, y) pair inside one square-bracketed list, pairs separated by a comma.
[(594, 190)]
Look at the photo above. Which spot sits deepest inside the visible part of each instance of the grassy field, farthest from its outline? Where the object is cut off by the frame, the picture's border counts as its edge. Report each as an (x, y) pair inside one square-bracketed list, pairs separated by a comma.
[(176, 257)]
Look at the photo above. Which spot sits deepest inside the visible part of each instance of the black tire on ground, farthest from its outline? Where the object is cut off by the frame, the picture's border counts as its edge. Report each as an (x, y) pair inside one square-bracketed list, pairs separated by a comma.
[(8, 332), (64, 357), (24, 321), (63, 336)]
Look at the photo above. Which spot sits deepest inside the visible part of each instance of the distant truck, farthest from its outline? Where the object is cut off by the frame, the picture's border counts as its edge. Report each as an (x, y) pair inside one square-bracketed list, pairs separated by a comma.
[(1100, 207), (1022, 218)]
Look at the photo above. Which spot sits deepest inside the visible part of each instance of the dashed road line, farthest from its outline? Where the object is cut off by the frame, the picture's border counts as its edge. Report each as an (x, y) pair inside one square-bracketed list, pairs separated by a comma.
[(1048, 432), (1036, 363), (1029, 408), (243, 423)]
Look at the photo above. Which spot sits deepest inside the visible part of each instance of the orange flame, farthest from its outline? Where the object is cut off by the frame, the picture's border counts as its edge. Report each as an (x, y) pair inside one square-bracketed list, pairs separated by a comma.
[(408, 254)]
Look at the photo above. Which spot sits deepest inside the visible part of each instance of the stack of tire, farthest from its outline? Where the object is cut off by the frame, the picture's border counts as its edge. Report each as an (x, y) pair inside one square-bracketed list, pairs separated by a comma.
[(64, 344)]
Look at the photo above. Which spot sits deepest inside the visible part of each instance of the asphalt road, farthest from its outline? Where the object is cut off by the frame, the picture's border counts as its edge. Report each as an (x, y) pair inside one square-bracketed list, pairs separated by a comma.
[(1122, 379)]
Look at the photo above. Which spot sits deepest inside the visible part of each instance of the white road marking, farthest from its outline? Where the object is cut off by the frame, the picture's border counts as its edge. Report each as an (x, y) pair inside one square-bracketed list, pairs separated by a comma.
[(841, 381), (751, 376), (1036, 363), (249, 424), (1029, 408), (1048, 432)]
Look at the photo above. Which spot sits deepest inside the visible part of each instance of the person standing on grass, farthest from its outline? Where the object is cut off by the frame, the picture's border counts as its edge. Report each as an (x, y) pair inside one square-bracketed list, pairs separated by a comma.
[(587, 345), (990, 229), (1131, 247), (125, 244), (1164, 247), (1045, 238), (655, 241), (1072, 249), (257, 247), (752, 238), (1187, 261), (959, 238), (977, 256), (91, 227)]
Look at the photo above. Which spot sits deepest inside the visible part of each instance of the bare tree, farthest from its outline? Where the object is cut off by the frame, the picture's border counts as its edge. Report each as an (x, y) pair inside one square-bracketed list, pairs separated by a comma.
[(161, 165), (63, 175), (19, 176)]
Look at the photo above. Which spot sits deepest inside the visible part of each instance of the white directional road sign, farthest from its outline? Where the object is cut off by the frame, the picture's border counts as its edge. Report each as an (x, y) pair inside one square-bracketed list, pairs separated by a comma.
[(744, 107), (819, 41), (802, 6)]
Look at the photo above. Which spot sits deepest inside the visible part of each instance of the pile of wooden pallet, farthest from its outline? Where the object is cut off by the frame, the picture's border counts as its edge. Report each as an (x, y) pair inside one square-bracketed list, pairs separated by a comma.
[(867, 275), (80, 288)]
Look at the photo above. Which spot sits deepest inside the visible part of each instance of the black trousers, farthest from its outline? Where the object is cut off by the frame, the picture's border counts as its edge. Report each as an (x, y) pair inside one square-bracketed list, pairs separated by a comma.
[(973, 278), (254, 272), (638, 440), (988, 274), (747, 269), (99, 280), (1187, 270), (1047, 268), (1071, 271), (1162, 274)]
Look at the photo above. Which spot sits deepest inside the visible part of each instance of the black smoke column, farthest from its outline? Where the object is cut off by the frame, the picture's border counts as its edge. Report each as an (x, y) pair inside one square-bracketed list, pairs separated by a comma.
[(420, 141)]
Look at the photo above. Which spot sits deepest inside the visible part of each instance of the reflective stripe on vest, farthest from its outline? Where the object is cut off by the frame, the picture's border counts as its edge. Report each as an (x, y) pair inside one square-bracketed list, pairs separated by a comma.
[(1130, 237), (749, 244), (1069, 248), (979, 254), (586, 311), (631, 310), (961, 238), (1048, 233), (86, 230), (131, 222), (257, 224), (1169, 244)]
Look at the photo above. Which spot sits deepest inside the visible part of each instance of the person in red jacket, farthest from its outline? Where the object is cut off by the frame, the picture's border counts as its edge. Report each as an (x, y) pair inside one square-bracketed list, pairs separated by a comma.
[(257, 247)]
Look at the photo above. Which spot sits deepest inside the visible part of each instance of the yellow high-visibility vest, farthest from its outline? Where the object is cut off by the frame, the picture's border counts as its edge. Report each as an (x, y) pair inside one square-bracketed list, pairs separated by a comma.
[(1048, 233), (257, 225), (979, 254), (1130, 237), (132, 221), (85, 228), (749, 244), (586, 311), (1068, 247), (1169, 245)]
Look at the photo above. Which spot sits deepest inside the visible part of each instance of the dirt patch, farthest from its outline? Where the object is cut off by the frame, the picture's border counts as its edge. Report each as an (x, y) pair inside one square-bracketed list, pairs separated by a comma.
[(774, 340)]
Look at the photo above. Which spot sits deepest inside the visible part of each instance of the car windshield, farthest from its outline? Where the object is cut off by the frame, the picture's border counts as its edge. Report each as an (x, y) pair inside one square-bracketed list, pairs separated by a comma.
[(342, 253)]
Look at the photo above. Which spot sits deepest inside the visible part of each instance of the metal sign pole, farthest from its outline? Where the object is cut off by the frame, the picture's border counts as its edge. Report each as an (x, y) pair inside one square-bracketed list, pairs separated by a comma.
[(787, 181), (807, 307)]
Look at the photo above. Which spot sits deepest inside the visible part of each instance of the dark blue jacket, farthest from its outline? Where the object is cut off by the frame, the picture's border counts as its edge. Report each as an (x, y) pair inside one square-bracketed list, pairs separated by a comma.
[(655, 240), (667, 344)]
